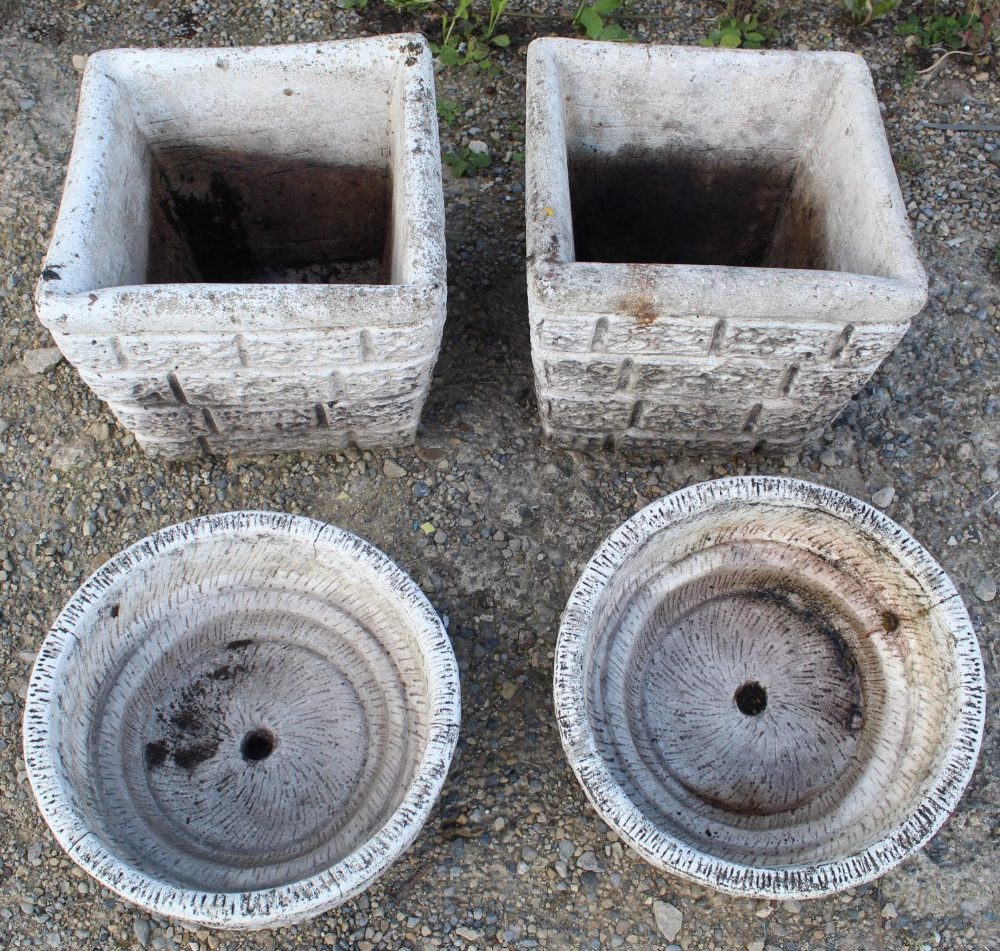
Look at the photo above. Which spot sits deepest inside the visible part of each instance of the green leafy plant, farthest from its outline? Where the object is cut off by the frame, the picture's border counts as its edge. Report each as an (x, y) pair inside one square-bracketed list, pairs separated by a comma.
[(352, 4), (971, 31), (466, 162), (448, 111), (590, 17), (467, 37), (907, 72), (409, 6), (909, 164), (865, 11), (735, 29)]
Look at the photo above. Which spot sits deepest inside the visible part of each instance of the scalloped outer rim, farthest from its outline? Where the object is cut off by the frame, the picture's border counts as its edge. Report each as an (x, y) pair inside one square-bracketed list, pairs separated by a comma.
[(271, 907), (669, 853)]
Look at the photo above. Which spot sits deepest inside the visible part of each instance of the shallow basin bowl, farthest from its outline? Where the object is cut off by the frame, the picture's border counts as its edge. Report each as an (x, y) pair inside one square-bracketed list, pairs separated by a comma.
[(768, 687), (241, 721)]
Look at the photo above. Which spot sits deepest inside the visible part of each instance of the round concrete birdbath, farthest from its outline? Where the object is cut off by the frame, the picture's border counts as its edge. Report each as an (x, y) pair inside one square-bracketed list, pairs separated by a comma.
[(241, 721), (768, 687)]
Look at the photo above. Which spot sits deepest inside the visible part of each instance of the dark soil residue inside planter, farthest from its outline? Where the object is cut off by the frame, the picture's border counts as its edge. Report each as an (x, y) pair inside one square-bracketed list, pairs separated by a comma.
[(237, 217), (189, 721), (642, 207)]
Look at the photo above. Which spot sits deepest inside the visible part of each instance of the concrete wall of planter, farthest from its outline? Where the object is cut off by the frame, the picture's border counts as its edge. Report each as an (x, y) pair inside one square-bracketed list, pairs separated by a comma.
[(718, 252), (249, 255), (243, 720), (768, 687)]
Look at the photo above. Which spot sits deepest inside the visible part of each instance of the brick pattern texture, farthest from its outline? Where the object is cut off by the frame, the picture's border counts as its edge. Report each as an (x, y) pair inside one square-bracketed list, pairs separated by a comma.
[(613, 381), (186, 394)]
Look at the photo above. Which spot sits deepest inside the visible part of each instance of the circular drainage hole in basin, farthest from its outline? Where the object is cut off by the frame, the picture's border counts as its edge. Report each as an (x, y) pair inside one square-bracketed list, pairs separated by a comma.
[(751, 698), (257, 745)]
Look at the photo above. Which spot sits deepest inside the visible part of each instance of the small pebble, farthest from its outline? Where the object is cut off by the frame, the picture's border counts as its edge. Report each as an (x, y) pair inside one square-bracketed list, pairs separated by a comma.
[(985, 589), (883, 498), (393, 470), (141, 928), (41, 360), (668, 919)]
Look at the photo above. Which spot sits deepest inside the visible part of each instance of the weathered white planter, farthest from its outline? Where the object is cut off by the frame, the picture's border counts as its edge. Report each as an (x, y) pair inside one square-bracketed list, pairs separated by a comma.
[(718, 252), (242, 721), (768, 687), (249, 255)]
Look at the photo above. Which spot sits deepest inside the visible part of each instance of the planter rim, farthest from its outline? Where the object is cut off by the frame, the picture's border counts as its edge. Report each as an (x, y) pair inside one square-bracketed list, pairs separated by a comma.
[(709, 289), (548, 238), (83, 186), (667, 852), (279, 307), (279, 905)]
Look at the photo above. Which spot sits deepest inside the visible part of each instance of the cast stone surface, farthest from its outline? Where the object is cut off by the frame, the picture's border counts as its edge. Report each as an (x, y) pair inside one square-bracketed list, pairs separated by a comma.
[(718, 252), (243, 720), (769, 687), (249, 255)]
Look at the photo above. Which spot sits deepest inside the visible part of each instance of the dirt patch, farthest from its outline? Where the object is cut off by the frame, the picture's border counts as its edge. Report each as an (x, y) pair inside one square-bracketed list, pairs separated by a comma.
[(187, 723)]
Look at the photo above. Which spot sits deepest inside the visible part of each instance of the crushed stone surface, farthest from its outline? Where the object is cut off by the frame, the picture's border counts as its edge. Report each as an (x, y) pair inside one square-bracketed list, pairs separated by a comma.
[(494, 526)]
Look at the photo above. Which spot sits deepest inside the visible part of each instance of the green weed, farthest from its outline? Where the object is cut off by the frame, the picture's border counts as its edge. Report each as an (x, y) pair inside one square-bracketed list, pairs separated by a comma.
[(466, 162), (864, 12), (737, 29), (467, 37), (971, 31), (449, 111), (590, 17)]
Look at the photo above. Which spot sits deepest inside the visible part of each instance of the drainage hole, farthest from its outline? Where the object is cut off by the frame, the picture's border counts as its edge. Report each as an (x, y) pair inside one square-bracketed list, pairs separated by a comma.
[(257, 745), (751, 698)]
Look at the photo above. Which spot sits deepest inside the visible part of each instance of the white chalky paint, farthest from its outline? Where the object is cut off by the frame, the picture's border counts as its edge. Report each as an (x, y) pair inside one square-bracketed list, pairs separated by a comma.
[(227, 363), (709, 355), (243, 720)]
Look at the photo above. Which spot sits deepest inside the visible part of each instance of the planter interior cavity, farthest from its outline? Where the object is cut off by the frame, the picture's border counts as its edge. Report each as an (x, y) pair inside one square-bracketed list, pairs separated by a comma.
[(718, 252), (242, 720), (767, 687), (249, 254), (653, 206), (244, 217)]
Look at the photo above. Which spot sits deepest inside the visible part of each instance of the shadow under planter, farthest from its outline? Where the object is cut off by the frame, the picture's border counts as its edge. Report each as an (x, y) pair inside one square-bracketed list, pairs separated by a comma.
[(718, 254), (249, 255)]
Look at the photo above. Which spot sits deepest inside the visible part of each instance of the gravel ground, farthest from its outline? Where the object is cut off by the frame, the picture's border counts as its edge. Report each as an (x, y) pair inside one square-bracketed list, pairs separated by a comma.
[(513, 856)]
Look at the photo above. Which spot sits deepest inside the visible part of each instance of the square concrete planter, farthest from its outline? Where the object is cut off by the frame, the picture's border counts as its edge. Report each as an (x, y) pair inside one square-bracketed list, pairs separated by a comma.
[(249, 255), (718, 252)]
